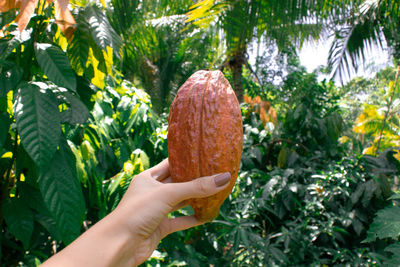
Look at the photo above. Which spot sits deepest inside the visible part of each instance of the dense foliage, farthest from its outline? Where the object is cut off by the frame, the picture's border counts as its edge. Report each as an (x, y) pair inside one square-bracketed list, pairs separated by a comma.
[(83, 109)]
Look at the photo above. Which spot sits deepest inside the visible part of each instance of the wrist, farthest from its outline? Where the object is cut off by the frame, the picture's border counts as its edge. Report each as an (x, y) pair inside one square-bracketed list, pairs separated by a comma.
[(105, 244), (122, 242)]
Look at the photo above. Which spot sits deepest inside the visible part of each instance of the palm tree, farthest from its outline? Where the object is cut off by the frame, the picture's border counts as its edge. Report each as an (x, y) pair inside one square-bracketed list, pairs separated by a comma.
[(286, 22), (369, 23), (159, 50)]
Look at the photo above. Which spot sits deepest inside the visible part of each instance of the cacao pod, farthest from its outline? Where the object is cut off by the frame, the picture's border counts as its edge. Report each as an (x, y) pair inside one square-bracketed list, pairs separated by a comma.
[(205, 136)]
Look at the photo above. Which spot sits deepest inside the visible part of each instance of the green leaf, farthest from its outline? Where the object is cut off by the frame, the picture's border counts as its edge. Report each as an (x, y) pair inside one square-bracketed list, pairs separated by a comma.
[(4, 126), (19, 219), (357, 226), (11, 45), (77, 112), (38, 121), (385, 225), (55, 65), (86, 91), (102, 32), (48, 222), (33, 199), (138, 156), (394, 260), (62, 193), (78, 49), (25, 165), (395, 196), (10, 76), (283, 156), (6, 17)]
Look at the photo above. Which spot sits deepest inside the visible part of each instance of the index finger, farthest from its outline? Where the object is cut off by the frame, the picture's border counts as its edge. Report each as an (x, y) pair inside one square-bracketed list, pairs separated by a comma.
[(161, 170)]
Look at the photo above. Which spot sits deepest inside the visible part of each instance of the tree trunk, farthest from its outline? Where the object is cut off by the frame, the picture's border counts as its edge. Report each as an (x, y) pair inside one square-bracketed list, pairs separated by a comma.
[(150, 76), (236, 64)]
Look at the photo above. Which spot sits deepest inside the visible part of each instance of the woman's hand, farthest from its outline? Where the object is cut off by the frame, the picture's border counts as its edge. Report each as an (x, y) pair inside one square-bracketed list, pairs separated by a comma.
[(129, 235), (151, 197)]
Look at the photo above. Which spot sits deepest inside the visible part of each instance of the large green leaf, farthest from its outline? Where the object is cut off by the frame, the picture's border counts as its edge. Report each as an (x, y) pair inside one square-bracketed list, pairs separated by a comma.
[(77, 112), (102, 32), (38, 121), (78, 49), (62, 193), (394, 260), (86, 91), (33, 199), (385, 225), (55, 65), (19, 219)]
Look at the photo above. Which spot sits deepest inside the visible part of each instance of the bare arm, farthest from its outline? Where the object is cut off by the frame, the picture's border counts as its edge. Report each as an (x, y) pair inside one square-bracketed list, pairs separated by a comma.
[(129, 235)]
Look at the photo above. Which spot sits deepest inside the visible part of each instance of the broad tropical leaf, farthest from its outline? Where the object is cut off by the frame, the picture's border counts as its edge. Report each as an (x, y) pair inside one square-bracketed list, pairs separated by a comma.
[(38, 121), (393, 261), (77, 112), (62, 193), (102, 32), (33, 199), (86, 91), (385, 225), (203, 13), (19, 219), (78, 49), (55, 65)]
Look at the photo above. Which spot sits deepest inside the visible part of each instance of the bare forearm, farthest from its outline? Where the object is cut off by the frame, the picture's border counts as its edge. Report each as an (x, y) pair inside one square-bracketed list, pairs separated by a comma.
[(129, 235), (108, 243)]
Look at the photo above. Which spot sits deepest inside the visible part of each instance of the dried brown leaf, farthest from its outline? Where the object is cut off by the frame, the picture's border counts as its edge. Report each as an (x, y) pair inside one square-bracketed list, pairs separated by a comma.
[(6, 5), (64, 18), (26, 11)]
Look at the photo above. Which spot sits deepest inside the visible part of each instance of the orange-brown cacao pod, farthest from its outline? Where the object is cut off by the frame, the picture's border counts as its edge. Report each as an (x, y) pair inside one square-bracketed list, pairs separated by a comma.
[(205, 136)]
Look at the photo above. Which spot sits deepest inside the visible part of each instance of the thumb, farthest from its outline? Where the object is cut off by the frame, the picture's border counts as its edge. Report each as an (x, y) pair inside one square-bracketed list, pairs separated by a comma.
[(201, 187)]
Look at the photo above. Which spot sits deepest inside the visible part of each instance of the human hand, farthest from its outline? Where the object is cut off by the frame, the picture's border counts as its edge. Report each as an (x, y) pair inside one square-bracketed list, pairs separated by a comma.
[(151, 197), (129, 234)]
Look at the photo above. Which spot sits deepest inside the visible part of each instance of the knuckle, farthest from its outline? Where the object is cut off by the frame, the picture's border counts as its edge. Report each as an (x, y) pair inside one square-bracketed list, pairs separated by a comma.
[(202, 186)]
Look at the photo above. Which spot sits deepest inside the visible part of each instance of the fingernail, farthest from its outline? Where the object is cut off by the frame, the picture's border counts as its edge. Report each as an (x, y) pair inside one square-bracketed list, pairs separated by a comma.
[(222, 179)]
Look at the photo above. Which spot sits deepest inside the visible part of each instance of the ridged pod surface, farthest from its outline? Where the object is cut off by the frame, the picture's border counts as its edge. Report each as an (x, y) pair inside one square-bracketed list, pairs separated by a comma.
[(205, 135)]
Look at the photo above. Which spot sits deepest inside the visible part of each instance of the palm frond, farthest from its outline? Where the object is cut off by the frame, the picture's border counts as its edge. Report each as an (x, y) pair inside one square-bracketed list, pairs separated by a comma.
[(351, 45)]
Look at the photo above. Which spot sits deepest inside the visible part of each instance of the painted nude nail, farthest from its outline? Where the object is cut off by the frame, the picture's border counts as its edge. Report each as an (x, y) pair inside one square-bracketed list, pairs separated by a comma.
[(222, 179)]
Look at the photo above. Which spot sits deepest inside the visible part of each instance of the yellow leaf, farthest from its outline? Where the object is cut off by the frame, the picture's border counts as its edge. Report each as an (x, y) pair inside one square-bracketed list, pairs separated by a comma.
[(99, 76), (201, 13), (128, 167), (42, 5), (370, 150), (99, 95), (397, 155), (10, 109), (61, 40), (108, 57), (7, 155), (344, 139)]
